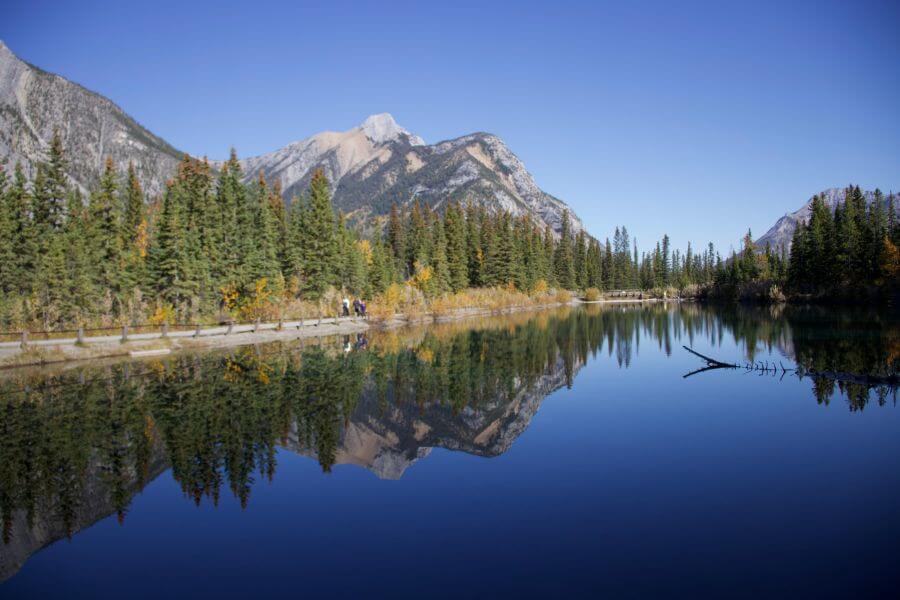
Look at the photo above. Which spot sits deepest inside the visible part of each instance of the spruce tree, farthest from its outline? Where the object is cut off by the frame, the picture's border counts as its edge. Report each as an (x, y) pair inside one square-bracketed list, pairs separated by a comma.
[(262, 258), (474, 251), (106, 238), (396, 236), (318, 239), (168, 256), (457, 259), (7, 250), (564, 263), (438, 262), (23, 236)]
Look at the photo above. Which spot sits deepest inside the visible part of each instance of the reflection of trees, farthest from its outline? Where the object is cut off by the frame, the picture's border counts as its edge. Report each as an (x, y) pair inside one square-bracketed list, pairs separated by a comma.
[(218, 419)]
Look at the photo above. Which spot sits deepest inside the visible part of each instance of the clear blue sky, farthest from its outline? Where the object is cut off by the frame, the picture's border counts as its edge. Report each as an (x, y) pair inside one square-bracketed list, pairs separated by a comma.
[(696, 119)]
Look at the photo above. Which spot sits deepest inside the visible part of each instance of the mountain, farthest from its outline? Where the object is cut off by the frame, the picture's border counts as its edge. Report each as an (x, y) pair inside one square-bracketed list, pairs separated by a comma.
[(369, 166), (388, 438), (782, 232), (33, 103), (380, 162)]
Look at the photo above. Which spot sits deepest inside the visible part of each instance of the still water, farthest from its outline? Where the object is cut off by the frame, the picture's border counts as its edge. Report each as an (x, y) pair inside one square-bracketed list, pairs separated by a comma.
[(544, 454)]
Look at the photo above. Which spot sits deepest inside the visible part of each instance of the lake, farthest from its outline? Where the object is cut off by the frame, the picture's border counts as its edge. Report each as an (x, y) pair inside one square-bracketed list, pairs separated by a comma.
[(558, 453)]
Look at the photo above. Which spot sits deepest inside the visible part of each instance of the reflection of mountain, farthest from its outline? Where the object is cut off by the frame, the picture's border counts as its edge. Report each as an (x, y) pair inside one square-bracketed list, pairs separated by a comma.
[(77, 446), (94, 504), (387, 439)]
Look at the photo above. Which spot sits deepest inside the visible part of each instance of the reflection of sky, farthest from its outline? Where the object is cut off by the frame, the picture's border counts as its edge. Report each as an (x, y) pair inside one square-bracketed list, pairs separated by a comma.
[(636, 481)]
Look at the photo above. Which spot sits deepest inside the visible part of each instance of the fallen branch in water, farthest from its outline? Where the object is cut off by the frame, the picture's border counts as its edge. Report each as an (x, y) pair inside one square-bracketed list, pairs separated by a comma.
[(711, 361), (892, 381)]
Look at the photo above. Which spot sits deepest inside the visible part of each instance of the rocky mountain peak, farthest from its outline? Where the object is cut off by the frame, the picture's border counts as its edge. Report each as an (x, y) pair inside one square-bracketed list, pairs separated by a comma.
[(382, 128), (370, 166)]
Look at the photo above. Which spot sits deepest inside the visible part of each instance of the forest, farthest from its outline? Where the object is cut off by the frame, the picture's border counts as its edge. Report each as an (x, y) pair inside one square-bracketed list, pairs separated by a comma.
[(214, 247)]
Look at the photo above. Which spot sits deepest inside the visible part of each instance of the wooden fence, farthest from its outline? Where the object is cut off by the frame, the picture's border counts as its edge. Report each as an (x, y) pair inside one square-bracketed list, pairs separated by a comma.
[(146, 331)]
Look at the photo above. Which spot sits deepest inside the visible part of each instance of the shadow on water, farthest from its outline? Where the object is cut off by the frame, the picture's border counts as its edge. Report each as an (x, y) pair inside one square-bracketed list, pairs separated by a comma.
[(77, 446)]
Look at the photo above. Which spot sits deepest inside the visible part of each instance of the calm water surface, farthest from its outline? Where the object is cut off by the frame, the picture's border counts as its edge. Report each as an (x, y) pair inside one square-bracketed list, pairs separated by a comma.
[(556, 453)]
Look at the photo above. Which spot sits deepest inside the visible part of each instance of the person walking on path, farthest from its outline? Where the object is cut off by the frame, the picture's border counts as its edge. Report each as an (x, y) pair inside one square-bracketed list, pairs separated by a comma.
[(356, 306), (346, 305)]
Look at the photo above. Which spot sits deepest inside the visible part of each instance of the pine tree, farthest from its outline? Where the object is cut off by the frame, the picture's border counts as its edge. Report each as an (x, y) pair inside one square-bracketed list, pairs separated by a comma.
[(548, 249), (7, 250), (564, 263), (474, 251), (168, 256), (230, 200), (56, 191), (438, 262), (594, 266), (418, 238), (318, 239), (396, 237), (580, 258), (609, 281), (457, 259), (20, 273), (106, 239), (262, 258)]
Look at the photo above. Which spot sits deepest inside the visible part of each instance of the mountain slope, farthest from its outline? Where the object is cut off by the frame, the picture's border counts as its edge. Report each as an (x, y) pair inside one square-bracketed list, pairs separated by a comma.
[(33, 103), (379, 162), (369, 166), (781, 233)]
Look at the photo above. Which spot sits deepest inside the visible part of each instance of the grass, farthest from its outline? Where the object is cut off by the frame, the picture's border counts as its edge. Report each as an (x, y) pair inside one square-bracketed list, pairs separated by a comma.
[(410, 302)]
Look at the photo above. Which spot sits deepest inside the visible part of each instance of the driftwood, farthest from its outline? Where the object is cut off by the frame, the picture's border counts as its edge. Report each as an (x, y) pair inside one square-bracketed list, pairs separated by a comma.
[(764, 368)]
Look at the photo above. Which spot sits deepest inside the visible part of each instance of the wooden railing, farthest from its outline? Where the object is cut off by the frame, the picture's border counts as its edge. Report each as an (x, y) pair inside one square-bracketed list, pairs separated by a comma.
[(148, 331)]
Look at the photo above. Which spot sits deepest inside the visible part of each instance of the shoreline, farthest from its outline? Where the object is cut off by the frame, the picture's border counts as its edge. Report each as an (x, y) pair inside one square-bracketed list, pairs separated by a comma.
[(39, 353)]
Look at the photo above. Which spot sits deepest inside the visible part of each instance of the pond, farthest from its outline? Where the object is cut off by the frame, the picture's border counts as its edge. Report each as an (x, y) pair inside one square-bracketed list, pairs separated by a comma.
[(553, 453)]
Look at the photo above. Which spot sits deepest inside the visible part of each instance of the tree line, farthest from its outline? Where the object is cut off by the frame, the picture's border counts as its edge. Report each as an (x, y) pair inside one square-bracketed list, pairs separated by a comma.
[(840, 252), (213, 245)]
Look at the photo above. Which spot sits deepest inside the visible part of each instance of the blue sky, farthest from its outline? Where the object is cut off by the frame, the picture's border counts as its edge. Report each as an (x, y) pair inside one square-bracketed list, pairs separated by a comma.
[(696, 119)]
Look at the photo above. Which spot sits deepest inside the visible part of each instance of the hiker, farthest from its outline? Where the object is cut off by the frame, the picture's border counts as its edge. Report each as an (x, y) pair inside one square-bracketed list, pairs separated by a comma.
[(356, 306), (362, 309), (346, 305)]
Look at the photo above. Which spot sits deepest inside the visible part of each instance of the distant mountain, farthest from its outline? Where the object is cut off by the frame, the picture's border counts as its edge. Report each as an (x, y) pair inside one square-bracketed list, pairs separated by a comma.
[(380, 162), (33, 103), (782, 231), (369, 166)]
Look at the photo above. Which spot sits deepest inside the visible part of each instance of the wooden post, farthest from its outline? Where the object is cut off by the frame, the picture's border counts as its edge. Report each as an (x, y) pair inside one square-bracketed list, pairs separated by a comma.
[(124, 333), (197, 332), (80, 335), (280, 324), (165, 330), (230, 327), (24, 339), (256, 325)]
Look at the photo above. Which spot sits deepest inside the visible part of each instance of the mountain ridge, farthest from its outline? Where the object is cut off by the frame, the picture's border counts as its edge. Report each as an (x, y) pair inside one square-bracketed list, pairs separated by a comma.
[(369, 166), (782, 232)]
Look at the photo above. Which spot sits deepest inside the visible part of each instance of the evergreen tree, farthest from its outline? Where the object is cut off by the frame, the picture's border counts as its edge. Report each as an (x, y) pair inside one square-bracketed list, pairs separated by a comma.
[(106, 236), (396, 236), (457, 250), (474, 253), (318, 239), (580, 259), (168, 256), (441, 269), (563, 261), (262, 258)]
